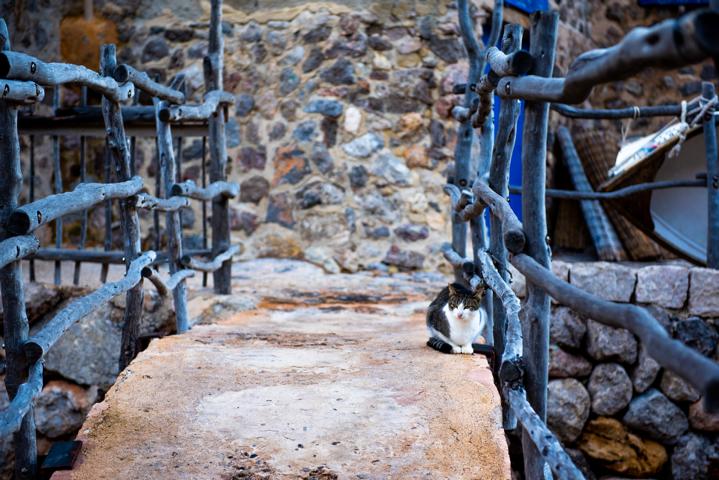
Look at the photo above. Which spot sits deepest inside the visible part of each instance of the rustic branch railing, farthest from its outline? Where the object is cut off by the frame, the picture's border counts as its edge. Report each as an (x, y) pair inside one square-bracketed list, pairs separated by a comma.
[(21, 77), (522, 346)]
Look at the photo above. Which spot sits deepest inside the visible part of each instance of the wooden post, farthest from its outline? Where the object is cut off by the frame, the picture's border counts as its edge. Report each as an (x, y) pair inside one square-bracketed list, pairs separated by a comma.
[(213, 65), (168, 173), (120, 153), (534, 157), (710, 144), (499, 182), (15, 320), (57, 183)]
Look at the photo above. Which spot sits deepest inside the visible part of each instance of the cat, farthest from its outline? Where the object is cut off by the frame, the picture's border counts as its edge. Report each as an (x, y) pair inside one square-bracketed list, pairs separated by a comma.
[(455, 318)]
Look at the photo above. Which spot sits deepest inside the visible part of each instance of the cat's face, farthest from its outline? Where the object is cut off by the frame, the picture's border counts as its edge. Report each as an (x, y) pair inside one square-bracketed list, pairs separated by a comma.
[(464, 304)]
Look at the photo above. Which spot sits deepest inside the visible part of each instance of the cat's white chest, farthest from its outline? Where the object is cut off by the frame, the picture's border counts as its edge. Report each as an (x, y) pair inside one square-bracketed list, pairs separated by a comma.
[(463, 331)]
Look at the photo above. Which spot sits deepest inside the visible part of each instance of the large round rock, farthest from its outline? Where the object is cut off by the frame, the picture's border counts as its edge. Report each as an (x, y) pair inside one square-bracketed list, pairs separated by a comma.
[(567, 408), (610, 388), (654, 414)]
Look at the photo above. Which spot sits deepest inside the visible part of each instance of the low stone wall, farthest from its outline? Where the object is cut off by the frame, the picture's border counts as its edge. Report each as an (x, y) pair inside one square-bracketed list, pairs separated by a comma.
[(614, 408)]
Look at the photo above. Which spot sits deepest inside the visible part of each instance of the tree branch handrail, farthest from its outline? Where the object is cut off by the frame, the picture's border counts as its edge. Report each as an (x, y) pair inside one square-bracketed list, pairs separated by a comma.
[(100, 256), (125, 73), (210, 266), (620, 192), (11, 417), (21, 92), (41, 342), (21, 66), (212, 101), (673, 43), (673, 110), (164, 287), (190, 189), (16, 248), (512, 231), (463, 264), (29, 217), (547, 444), (151, 202)]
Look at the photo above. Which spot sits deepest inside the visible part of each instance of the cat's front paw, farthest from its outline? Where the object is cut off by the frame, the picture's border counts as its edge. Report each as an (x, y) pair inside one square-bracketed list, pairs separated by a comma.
[(456, 349), (467, 349)]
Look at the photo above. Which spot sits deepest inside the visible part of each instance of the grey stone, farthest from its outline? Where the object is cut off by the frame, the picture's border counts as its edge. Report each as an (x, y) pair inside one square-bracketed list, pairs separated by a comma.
[(610, 388), (690, 460), (654, 414), (364, 146), (701, 419), (354, 48), (252, 158), (379, 42), (244, 103), (403, 259), (376, 205), (277, 131), (251, 32), (610, 281), (567, 408), (187, 218), (155, 49), (179, 34), (695, 333), (605, 343), (358, 176), (704, 292), (676, 388), (289, 81), (254, 189), (566, 328), (390, 169), (280, 210), (232, 133), (563, 364), (645, 371), (320, 193), (339, 73), (60, 409), (411, 232), (377, 233), (294, 56), (277, 42), (325, 106), (437, 135), (664, 285), (448, 49), (313, 61), (305, 131), (322, 158), (318, 34), (244, 221), (288, 109)]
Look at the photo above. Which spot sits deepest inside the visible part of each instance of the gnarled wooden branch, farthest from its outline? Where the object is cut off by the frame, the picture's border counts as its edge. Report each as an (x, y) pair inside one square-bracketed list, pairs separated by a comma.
[(618, 193), (628, 112), (547, 445), (11, 418), (40, 343), (21, 92), (86, 195), (17, 248), (213, 100), (699, 371), (20, 66), (672, 43), (190, 189), (166, 286), (150, 202), (514, 63), (210, 265), (125, 73), (512, 231)]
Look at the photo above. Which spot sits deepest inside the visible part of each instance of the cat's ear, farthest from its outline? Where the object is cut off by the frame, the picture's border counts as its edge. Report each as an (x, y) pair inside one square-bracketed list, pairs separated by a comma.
[(479, 292), (452, 291)]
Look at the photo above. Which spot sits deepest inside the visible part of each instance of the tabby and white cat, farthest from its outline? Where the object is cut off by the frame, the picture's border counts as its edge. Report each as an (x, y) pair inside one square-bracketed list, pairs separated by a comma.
[(455, 318)]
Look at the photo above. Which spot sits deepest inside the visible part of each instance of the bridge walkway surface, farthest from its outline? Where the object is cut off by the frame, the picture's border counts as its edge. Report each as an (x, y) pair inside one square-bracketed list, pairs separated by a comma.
[(299, 374)]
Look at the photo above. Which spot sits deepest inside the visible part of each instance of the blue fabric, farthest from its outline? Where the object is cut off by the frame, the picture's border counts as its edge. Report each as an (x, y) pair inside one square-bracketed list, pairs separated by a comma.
[(529, 6)]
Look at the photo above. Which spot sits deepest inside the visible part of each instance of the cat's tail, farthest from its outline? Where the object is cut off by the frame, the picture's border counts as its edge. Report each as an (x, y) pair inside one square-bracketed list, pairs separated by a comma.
[(439, 345), (479, 348)]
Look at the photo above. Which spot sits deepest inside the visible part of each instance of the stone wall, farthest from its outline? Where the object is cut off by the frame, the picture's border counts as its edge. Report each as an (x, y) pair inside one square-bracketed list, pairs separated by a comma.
[(341, 135), (615, 409)]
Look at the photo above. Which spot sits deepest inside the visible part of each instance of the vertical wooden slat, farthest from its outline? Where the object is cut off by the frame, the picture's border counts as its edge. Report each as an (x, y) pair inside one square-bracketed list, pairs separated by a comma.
[(107, 243), (535, 316), (169, 175), (32, 193), (213, 65), (117, 143), (158, 194), (83, 179), (204, 203), (499, 182), (15, 322), (710, 145), (57, 183)]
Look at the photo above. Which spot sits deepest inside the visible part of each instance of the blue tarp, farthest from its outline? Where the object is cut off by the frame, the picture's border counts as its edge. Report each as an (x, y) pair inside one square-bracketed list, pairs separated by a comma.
[(529, 6)]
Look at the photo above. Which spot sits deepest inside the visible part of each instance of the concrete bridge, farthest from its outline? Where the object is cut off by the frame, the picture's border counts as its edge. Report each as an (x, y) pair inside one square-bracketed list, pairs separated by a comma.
[(299, 375)]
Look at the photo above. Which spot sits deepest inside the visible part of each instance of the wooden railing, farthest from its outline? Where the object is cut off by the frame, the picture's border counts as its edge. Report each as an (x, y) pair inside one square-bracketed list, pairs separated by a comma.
[(523, 345), (23, 79)]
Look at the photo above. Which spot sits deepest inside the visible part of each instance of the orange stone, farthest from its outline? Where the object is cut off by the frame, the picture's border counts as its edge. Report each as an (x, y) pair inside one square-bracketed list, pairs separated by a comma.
[(80, 40), (416, 156)]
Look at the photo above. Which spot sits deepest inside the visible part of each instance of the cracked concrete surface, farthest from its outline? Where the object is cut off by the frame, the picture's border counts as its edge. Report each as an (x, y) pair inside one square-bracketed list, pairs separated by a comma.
[(299, 374)]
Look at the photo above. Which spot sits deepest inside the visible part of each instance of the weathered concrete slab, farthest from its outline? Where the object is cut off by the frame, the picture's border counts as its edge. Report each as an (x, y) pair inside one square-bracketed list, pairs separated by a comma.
[(328, 378)]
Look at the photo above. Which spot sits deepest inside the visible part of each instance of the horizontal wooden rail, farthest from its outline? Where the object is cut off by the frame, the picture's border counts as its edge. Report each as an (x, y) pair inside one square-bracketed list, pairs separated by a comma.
[(547, 444), (21, 92), (462, 263), (11, 418), (619, 193), (150, 202), (17, 248), (100, 256), (86, 195), (40, 343), (166, 286), (701, 372), (213, 100), (628, 112), (125, 73), (20, 66), (512, 232), (213, 190), (210, 265), (673, 43)]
